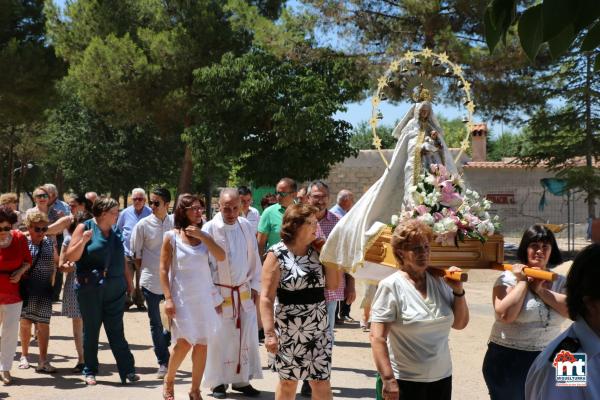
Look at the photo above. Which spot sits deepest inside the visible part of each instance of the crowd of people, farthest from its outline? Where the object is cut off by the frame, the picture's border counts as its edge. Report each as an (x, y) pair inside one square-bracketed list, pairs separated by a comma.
[(217, 286)]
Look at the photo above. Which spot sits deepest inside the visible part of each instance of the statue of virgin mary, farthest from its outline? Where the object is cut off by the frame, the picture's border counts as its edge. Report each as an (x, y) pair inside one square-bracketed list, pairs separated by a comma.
[(420, 144)]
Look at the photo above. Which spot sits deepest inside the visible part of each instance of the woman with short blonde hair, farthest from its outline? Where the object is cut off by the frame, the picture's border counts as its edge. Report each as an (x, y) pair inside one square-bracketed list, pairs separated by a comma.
[(37, 307), (411, 317)]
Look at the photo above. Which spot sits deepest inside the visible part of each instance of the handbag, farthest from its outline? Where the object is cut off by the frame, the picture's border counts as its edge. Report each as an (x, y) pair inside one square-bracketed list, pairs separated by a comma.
[(164, 318), (95, 277), (31, 287)]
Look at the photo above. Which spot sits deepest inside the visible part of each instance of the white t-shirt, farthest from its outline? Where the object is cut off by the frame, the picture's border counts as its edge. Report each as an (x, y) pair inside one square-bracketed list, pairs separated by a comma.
[(146, 244), (253, 217), (419, 329), (537, 323)]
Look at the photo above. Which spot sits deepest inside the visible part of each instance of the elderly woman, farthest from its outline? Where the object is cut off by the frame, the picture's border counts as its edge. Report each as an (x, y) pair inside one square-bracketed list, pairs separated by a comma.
[(411, 317), (529, 314), (37, 308), (41, 198), (192, 300), (582, 336), (101, 284), (11, 201), (15, 260), (298, 335)]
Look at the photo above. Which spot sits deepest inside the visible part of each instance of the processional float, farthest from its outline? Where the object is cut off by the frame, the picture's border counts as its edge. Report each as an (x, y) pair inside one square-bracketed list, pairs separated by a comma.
[(421, 181)]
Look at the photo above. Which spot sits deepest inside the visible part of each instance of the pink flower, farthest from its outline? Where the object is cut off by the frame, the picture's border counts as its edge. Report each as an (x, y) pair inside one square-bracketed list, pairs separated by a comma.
[(422, 209)]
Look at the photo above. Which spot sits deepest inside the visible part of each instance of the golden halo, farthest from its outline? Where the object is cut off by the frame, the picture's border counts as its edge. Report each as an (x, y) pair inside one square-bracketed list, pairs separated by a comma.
[(404, 60)]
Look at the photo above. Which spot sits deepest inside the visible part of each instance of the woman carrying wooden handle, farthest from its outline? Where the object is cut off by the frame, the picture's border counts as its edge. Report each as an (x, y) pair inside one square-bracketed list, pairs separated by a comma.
[(460, 276)]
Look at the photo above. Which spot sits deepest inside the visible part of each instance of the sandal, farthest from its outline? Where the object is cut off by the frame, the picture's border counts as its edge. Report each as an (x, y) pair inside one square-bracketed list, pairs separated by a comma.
[(6, 378), (24, 363), (45, 368), (90, 380), (169, 390)]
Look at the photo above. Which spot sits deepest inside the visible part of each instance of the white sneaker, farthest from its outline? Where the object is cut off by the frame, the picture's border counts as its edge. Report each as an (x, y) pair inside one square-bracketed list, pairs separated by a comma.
[(162, 371)]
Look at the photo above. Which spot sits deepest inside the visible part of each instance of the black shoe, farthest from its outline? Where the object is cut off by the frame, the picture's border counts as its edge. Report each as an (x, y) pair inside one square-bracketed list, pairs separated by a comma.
[(248, 390), (219, 392), (306, 390), (348, 318), (141, 307)]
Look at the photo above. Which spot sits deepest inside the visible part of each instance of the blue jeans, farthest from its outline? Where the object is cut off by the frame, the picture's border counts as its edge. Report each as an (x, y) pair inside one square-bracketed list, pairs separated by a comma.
[(331, 307), (161, 339), (505, 370)]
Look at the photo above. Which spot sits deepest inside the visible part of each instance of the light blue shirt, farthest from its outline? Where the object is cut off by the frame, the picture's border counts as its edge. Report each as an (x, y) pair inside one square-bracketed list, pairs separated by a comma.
[(337, 210), (60, 205), (128, 219), (541, 379)]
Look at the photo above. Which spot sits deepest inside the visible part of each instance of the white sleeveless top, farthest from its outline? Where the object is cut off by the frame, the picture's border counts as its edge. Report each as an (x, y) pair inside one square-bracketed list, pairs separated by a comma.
[(537, 324)]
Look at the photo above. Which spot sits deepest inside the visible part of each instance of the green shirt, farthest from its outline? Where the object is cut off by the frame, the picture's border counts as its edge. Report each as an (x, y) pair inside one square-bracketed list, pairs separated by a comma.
[(270, 223)]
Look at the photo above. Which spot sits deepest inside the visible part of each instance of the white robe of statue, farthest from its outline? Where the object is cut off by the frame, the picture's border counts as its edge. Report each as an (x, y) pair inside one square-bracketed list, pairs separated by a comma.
[(348, 242)]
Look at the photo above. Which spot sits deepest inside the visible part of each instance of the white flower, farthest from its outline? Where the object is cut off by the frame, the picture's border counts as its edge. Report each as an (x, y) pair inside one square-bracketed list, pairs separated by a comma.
[(412, 188), (486, 228), (430, 179), (438, 228), (427, 219), (395, 220), (449, 225)]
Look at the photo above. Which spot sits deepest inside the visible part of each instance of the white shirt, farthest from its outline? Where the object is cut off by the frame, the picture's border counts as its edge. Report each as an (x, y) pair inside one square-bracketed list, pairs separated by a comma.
[(253, 217), (146, 244), (537, 323), (541, 379), (419, 329)]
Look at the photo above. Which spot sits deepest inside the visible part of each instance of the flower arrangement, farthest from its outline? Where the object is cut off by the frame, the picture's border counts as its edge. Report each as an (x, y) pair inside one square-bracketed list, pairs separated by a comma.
[(454, 213)]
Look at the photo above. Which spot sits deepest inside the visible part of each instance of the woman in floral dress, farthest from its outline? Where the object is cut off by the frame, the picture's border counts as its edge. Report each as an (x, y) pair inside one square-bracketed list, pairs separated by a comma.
[(297, 334)]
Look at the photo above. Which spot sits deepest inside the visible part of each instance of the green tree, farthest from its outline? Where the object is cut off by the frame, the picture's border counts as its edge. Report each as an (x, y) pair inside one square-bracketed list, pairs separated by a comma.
[(503, 83), (566, 137), (554, 24), (94, 155), (133, 60), (274, 117), (362, 137), (504, 145), (29, 71)]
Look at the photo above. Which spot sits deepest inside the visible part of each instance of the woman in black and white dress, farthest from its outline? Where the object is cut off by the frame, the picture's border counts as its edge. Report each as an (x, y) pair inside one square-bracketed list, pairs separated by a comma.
[(297, 334), (38, 309)]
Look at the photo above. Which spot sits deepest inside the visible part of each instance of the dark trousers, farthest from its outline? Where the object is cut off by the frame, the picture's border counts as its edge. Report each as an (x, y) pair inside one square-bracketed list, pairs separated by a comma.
[(104, 305), (161, 339), (344, 309), (437, 390), (505, 370)]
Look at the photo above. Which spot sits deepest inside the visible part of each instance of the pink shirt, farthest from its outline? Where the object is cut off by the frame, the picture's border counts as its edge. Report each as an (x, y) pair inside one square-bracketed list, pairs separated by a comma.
[(324, 228)]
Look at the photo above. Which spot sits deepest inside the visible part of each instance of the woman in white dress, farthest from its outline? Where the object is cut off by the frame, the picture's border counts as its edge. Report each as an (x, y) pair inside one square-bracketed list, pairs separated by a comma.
[(192, 300)]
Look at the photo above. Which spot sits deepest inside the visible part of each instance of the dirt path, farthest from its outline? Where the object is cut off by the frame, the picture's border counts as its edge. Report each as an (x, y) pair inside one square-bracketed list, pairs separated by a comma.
[(353, 375)]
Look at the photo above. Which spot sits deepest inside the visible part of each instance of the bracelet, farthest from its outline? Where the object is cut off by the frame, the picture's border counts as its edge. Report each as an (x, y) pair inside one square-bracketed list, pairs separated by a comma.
[(459, 295)]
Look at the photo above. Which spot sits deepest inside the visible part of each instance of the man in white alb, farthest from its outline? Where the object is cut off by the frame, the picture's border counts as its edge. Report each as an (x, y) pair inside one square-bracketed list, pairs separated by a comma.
[(233, 356)]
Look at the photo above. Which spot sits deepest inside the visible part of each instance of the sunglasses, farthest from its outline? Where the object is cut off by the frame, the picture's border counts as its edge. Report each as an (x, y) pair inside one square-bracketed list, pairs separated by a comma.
[(154, 203), (37, 229), (41, 196), (283, 194), (195, 208), (5, 229), (138, 199)]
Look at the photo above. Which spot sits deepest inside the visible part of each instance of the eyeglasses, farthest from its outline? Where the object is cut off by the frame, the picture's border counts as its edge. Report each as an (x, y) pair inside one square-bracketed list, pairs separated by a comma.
[(5, 229), (195, 208), (319, 198), (154, 203), (138, 199), (37, 229), (41, 196), (283, 194)]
